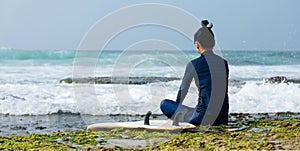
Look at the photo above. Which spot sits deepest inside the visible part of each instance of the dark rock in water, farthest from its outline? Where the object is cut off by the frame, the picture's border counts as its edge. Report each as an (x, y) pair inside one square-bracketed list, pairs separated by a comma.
[(281, 79), (19, 128), (40, 127), (234, 82), (118, 80), (60, 112), (294, 80), (277, 79)]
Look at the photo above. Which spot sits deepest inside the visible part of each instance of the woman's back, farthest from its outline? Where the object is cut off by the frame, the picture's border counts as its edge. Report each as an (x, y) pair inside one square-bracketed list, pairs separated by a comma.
[(207, 67)]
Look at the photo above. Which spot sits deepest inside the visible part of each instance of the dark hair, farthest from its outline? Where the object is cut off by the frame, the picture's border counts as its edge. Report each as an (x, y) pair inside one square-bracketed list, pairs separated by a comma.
[(205, 35)]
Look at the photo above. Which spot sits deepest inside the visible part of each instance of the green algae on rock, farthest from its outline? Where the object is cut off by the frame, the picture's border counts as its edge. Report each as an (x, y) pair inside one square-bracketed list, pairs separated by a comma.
[(264, 134)]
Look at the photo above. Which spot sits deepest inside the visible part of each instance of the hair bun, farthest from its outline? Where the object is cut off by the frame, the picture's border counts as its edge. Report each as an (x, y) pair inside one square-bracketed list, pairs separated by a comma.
[(205, 23)]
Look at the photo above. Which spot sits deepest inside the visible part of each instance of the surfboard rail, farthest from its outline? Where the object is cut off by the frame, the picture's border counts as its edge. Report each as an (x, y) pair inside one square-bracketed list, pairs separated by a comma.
[(155, 125)]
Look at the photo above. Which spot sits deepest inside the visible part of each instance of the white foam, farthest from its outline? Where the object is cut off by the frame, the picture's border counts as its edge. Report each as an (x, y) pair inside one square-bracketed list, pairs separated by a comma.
[(257, 98), (263, 72), (34, 74), (36, 99), (138, 99), (36, 90)]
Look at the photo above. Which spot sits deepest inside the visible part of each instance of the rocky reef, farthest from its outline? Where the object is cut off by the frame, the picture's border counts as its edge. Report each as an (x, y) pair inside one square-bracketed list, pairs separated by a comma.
[(118, 80), (146, 80), (281, 79)]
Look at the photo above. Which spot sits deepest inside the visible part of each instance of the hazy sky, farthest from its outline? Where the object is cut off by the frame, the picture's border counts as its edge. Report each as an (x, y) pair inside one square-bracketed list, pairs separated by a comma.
[(238, 24)]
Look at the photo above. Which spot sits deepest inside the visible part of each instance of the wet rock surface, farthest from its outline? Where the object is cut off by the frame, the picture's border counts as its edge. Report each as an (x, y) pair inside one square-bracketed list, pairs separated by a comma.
[(277, 79), (281, 79), (118, 80), (146, 80), (260, 131)]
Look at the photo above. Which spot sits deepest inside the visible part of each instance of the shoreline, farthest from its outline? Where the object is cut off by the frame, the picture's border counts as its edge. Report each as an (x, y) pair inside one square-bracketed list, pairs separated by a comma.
[(15, 125)]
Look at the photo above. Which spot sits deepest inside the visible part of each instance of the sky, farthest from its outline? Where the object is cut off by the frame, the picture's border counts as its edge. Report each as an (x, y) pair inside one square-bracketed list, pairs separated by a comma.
[(238, 24)]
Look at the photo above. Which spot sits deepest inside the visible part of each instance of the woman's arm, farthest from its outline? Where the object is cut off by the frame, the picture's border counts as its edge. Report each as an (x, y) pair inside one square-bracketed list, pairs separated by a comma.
[(186, 82)]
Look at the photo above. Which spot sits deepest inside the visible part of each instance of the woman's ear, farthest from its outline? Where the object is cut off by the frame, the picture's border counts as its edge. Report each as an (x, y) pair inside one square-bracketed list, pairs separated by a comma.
[(198, 47)]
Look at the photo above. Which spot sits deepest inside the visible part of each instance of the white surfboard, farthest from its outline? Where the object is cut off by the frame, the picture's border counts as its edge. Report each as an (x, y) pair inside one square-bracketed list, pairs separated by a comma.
[(155, 125)]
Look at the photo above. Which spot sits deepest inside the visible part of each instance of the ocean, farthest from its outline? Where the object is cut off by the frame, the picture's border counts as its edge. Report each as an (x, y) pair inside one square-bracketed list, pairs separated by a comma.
[(30, 81)]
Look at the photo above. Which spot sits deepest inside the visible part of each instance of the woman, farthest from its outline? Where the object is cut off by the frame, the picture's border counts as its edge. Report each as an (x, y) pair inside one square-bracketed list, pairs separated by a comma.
[(210, 73)]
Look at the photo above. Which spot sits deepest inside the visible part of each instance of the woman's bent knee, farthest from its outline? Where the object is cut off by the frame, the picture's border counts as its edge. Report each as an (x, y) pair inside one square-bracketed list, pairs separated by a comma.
[(168, 107), (165, 102)]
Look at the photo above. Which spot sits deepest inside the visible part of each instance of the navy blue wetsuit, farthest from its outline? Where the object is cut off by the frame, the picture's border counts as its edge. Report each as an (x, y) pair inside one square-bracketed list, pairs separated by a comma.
[(210, 73)]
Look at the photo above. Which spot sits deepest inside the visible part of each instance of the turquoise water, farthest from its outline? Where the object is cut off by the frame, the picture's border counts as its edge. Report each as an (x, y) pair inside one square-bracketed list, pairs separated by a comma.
[(262, 57), (107, 57)]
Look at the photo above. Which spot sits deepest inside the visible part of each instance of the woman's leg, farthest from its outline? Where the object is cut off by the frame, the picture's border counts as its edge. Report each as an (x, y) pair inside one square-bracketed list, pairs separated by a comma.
[(170, 107), (196, 118)]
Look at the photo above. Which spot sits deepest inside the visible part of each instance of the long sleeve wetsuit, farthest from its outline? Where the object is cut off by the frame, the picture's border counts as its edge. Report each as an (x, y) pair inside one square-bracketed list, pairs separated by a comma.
[(210, 73)]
